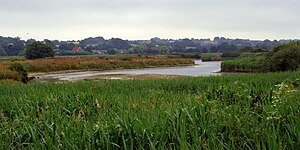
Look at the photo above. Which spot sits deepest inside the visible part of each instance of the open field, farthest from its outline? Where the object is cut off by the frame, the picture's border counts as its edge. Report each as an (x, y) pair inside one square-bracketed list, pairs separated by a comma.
[(249, 111)]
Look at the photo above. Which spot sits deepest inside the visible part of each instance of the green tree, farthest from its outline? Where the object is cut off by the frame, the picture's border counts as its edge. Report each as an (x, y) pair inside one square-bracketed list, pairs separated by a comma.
[(250, 50), (113, 51), (164, 49), (130, 51), (246, 49), (138, 49), (67, 46), (38, 50), (12, 46), (284, 57), (229, 54), (2, 51)]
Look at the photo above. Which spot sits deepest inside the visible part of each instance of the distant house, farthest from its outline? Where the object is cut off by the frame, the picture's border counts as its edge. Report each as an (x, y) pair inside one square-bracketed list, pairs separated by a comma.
[(77, 49), (99, 51), (121, 51), (73, 42)]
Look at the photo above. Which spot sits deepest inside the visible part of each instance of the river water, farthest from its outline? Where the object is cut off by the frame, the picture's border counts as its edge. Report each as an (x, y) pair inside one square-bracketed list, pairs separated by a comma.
[(199, 69)]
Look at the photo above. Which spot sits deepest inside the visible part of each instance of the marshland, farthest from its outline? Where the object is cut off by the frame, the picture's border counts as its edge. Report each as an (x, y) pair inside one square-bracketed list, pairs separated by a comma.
[(255, 109)]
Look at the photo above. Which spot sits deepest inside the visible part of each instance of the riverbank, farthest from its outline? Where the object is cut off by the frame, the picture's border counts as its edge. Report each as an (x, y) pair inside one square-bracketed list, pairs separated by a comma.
[(85, 63), (100, 63), (245, 64)]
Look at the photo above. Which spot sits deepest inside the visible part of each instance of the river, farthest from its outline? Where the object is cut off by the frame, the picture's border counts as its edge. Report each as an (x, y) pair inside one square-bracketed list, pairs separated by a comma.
[(199, 69)]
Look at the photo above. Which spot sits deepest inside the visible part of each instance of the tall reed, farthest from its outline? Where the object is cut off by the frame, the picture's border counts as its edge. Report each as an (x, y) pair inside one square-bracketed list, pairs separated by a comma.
[(251, 111)]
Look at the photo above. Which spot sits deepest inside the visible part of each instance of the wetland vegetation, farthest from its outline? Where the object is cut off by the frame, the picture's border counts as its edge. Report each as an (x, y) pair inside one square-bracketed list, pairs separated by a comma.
[(248, 111), (237, 111)]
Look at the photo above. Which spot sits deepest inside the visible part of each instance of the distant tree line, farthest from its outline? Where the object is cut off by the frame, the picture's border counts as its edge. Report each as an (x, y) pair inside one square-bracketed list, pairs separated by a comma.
[(15, 46), (237, 53), (11, 46)]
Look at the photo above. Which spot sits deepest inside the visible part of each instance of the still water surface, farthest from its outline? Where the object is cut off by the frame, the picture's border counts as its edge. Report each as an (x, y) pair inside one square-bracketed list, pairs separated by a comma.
[(199, 69)]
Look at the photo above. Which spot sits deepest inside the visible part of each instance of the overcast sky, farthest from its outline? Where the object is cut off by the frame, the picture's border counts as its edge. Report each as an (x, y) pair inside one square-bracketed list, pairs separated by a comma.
[(144, 19)]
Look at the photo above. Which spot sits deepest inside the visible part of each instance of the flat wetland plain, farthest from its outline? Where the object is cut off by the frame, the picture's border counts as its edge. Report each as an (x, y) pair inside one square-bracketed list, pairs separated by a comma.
[(246, 111)]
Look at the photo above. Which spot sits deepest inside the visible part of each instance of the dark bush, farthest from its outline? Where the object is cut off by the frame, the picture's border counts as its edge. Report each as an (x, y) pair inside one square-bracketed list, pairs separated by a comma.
[(285, 57), (38, 50), (230, 54), (21, 70), (70, 53)]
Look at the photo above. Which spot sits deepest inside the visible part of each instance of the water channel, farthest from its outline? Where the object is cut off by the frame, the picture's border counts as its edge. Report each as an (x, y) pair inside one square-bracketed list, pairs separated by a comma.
[(199, 69)]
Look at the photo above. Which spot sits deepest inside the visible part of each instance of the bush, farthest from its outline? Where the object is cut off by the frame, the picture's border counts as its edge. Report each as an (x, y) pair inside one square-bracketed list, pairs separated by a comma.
[(285, 57), (21, 70), (206, 58), (191, 55), (38, 50), (253, 64), (230, 54), (70, 53)]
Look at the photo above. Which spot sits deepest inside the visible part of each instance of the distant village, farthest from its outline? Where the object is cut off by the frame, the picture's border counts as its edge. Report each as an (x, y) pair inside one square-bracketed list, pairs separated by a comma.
[(10, 46)]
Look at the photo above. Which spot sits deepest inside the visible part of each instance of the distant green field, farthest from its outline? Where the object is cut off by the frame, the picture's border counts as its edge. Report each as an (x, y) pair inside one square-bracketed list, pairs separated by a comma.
[(10, 57), (249, 111)]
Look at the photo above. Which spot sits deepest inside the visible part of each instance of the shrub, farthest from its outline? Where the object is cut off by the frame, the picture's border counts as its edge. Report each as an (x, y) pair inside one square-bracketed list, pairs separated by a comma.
[(70, 53), (38, 50), (206, 58), (191, 55), (252, 64), (284, 57), (21, 70), (230, 54)]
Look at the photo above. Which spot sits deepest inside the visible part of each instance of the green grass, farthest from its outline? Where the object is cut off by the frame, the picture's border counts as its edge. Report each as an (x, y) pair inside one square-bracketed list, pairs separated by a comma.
[(250, 111), (11, 57), (245, 64), (211, 56)]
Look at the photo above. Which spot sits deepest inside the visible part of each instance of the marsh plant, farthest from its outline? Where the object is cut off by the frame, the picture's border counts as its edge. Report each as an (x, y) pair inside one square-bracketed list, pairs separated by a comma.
[(250, 111)]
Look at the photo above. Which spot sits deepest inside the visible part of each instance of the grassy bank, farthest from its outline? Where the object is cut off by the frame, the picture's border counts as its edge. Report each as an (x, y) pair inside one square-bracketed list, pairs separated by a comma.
[(7, 74), (87, 63), (284, 57), (251, 111), (99, 63), (211, 56), (246, 64)]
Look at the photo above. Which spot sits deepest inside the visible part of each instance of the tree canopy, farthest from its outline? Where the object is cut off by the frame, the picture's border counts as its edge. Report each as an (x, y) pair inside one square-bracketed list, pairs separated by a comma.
[(2, 51), (11, 46), (38, 50), (15, 46), (284, 57)]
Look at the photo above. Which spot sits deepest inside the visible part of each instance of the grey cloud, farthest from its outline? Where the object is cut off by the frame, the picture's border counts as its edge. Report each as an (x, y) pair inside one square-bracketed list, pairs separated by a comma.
[(127, 18)]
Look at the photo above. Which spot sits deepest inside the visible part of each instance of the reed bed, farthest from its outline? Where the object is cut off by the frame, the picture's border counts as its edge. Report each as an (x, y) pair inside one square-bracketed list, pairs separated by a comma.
[(100, 63), (247, 64), (85, 63), (7, 74), (249, 111)]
